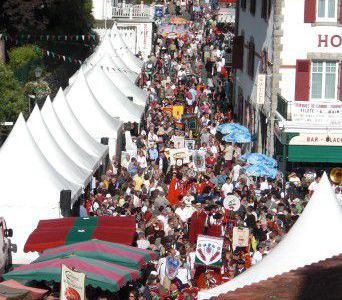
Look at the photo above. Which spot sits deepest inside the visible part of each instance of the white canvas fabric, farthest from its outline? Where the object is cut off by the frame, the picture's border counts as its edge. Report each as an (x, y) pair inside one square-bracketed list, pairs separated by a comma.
[(65, 141), (30, 186), (76, 130), (126, 86), (56, 156), (96, 121), (111, 98), (314, 237)]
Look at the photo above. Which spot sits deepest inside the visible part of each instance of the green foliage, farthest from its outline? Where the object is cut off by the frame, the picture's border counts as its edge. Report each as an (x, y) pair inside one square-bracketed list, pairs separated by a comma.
[(12, 99), (23, 61)]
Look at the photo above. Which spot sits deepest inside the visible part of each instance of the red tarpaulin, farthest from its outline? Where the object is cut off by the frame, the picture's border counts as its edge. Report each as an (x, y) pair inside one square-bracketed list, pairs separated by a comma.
[(35, 293), (59, 232)]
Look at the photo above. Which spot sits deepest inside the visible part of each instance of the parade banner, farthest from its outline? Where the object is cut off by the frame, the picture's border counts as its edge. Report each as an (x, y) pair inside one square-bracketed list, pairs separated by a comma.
[(240, 237), (177, 111), (72, 284), (231, 202), (198, 159), (209, 251), (190, 144), (178, 157), (178, 141)]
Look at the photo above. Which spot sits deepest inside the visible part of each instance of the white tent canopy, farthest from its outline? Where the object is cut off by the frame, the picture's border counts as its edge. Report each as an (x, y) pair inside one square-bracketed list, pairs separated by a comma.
[(96, 121), (111, 98), (314, 237), (134, 63), (64, 140), (61, 162), (76, 130), (30, 186), (126, 86)]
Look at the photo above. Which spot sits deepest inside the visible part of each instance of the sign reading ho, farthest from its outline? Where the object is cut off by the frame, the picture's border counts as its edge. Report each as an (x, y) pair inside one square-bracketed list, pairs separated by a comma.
[(317, 113), (325, 40)]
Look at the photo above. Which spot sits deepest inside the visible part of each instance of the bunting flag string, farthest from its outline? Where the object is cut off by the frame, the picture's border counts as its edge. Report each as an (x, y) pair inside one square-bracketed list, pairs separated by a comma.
[(50, 37), (55, 55)]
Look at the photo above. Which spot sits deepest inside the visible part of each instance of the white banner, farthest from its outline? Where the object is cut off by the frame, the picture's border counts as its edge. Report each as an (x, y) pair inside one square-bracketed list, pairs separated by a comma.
[(317, 113), (231, 202), (260, 90), (72, 284), (178, 157), (240, 237), (209, 250)]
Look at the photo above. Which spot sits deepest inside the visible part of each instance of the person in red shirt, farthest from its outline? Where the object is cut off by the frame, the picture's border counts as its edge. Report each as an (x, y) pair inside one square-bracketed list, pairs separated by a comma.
[(197, 223)]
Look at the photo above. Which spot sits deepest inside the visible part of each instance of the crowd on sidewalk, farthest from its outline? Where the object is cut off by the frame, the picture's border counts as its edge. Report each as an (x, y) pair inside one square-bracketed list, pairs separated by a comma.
[(173, 200)]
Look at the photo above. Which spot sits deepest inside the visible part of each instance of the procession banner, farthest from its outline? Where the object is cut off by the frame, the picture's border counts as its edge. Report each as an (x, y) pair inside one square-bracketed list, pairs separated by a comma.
[(231, 202), (209, 251), (178, 141), (198, 158), (178, 157), (190, 144), (240, 237), (177, 111), (72, 284)]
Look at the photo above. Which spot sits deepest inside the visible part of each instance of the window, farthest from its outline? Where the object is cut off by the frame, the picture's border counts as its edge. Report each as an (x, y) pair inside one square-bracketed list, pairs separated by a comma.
[(252, 7), (326, 10), (243, 4), (251, 52), (324, 80)]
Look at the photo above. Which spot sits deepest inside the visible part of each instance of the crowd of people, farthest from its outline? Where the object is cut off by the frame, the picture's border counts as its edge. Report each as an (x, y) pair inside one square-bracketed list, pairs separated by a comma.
[(174, 202)]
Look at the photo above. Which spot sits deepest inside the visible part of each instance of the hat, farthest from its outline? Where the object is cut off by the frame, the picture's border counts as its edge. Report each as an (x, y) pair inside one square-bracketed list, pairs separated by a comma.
[(108, 196)]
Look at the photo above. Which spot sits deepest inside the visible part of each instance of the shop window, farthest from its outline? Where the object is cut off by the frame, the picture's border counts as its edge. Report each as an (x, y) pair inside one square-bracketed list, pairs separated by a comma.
[(324, 80), (252, 7), (251, 54), (326, 10)]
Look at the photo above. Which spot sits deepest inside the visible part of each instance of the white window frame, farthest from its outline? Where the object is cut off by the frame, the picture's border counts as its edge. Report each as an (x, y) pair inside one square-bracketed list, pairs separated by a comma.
[(323, 99), (325, 18)]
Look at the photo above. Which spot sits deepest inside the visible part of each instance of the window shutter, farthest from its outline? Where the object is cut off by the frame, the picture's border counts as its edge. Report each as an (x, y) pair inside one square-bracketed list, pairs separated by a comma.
[(340, 81), (237, 56), (302, 80), (310, 11), (264, 9), (340, 13)]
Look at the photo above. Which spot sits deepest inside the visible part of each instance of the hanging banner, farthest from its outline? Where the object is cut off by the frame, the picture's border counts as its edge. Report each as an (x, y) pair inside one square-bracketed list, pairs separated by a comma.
[(240, 237), (231, 202), (178, 157), (198, 158), (177, 111), (72, 284), (178, 141), (260, 91), (209, 251)]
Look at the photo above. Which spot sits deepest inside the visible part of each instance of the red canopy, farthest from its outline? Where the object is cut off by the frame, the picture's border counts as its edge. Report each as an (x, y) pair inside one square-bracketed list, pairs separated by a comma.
[(35, 293), (59, 232)]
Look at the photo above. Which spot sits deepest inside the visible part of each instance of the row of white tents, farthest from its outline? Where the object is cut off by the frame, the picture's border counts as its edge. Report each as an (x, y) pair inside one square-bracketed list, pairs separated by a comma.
[(59, 147)]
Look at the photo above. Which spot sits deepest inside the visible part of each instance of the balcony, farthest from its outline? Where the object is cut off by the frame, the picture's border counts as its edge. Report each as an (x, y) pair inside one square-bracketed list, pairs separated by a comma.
[(130, 11)]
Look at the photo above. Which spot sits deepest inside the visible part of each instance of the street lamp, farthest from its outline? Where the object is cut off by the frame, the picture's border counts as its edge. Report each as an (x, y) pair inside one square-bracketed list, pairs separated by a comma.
[(38, 72)]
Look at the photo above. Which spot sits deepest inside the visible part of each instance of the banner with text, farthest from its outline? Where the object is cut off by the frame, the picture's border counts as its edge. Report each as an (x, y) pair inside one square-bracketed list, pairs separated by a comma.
[(72, 284)]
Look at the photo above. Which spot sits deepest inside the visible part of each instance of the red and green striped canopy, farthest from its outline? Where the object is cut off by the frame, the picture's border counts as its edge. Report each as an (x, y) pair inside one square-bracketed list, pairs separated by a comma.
[(66, 231), (98, 273), (130, 257)]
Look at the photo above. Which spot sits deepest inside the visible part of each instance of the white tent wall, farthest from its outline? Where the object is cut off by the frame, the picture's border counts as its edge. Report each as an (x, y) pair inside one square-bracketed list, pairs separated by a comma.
[(97, 122), (111, 98), (61, 162), (64, 140), (314, 237), (23, 203), (76, 130), (126, 86)]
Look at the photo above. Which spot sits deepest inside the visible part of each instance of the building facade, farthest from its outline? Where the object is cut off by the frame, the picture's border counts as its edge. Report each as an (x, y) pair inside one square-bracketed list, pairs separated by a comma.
[(300, 106)]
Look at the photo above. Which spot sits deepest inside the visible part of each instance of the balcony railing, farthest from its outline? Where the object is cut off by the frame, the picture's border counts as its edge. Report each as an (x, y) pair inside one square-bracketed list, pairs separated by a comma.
[(130, 11)]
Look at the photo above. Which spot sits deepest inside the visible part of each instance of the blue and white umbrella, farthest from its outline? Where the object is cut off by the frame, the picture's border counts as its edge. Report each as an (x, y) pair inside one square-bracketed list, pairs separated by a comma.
[(258, 158), (238, 137), (261, 171), (231, 127)]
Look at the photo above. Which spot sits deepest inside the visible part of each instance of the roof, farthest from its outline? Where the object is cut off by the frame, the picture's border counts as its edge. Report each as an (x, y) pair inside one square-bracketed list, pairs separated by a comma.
[(95, 120), (322, 280), (310, 240), (111, 98), (76, 130), (64, 140)]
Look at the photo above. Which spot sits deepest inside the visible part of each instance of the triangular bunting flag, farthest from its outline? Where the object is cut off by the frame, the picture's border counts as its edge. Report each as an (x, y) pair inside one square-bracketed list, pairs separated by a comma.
[(80, 62), (47, 37), (82, 37), (63, 57), (48, 53), (66, 37), (69, 59)]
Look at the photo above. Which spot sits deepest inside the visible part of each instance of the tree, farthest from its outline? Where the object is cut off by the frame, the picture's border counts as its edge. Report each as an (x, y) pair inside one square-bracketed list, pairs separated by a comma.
[(11, 94), (23, 62)]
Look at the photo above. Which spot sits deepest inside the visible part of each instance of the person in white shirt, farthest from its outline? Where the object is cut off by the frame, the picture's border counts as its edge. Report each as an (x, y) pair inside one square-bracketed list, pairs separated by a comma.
[(263, 184), (142, 242), (236, 172), (228, 187), (257, 256), (313, 185)]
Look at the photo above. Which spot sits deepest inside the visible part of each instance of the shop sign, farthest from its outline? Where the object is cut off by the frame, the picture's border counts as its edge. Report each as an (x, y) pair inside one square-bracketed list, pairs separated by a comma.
[(72, 284), (317, 113), (260, 92), (317, 139), (325, 40)]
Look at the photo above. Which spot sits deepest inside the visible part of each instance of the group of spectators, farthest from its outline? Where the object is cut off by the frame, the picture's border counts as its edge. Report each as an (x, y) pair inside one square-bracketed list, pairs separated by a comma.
[(174, 203)]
